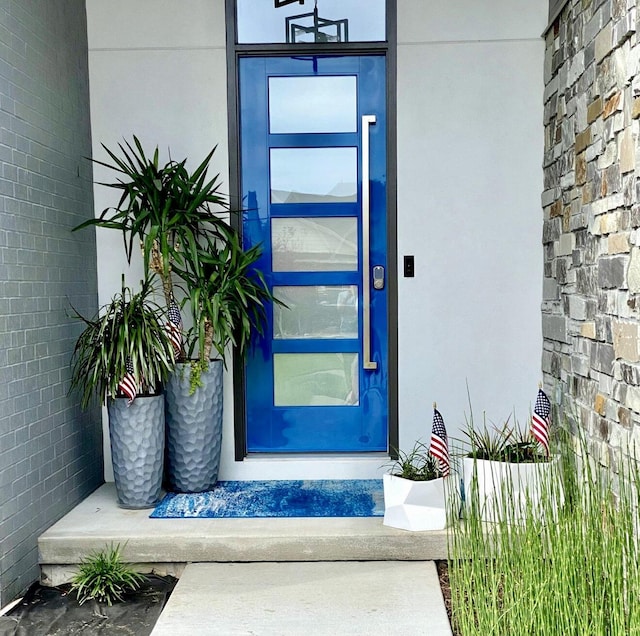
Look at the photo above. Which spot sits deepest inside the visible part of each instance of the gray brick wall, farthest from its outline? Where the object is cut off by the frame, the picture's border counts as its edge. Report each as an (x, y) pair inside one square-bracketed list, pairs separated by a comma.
[(50, 451)]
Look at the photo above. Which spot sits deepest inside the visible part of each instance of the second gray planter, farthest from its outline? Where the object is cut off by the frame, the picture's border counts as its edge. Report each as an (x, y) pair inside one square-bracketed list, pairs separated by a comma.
[(136, 433), (194, 429)]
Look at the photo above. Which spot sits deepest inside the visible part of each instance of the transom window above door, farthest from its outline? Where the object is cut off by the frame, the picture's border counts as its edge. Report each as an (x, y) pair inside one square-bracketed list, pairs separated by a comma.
[(310, 21)]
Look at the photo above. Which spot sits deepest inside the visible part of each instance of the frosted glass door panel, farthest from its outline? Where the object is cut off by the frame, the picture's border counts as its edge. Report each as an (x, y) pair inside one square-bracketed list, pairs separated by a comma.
[(316, 311), (314, 175), (314, 244), (315, 379), (312, 104)]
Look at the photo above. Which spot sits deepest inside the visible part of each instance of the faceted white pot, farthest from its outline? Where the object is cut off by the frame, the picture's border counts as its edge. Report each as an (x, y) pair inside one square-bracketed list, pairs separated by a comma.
[(509, 492), (414, 505)]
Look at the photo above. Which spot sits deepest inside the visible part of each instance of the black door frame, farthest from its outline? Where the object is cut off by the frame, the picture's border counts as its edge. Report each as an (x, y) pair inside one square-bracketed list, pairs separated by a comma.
[(388, 48)]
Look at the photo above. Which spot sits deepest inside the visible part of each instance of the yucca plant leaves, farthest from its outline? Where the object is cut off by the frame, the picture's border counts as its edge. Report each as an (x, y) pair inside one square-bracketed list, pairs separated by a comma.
[(227, 298), (170, 214), (160, 205), (129, 328)]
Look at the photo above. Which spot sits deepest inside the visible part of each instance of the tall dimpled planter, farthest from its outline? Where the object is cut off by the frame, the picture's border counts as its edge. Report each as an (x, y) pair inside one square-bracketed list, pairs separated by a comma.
[(194, 429), (136, 433)]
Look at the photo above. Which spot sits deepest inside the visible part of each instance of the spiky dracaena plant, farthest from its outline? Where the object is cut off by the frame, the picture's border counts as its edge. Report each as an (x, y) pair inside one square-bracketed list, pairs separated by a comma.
[(227, 297), (164, 207), (128, 333)]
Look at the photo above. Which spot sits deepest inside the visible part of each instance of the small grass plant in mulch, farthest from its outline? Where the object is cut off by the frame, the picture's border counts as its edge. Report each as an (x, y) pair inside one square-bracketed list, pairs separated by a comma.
[(105, 577), (106, 597), (572, 568)]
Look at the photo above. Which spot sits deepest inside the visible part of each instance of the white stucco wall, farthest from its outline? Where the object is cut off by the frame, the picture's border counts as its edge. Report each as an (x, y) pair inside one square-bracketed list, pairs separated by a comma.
[(157, 70), (469, 181), (470, 146)]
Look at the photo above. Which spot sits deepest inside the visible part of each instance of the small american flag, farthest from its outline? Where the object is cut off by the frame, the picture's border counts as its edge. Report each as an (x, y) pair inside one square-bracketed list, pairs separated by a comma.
[(174, 326), (541, 420), (128, 384), (438, 447)]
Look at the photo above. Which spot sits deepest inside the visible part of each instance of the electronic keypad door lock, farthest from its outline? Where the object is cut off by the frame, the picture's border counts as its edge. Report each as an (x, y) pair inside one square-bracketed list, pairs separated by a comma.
[(378, 277)]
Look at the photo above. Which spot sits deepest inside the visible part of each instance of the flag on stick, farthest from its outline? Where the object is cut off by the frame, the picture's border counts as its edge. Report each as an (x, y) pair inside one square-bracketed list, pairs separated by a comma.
[(174, 326), (541, 420), (438, 447), (128, 384)]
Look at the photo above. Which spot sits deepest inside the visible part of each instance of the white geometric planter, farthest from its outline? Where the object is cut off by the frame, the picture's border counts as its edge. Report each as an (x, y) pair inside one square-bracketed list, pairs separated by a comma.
[(504, 491), (414, 505)]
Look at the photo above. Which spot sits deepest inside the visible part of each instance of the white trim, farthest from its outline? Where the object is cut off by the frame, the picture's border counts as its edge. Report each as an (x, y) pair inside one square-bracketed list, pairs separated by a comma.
[(7, 608)]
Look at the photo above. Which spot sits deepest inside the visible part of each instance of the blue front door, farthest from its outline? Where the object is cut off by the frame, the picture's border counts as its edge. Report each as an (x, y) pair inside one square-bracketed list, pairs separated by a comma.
[(313, 175)]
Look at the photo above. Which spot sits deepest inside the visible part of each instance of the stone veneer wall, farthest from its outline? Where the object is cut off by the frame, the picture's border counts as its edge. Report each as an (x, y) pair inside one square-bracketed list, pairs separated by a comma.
[(50, 451), (591, 200)]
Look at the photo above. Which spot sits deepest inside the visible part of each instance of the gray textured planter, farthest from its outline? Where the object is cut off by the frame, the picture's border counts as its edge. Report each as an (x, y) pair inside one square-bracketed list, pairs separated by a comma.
[(194, 429), (137, 450)]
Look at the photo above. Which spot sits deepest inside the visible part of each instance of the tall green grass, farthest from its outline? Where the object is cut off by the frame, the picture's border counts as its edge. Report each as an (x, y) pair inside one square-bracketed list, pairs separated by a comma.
[(571, 567)]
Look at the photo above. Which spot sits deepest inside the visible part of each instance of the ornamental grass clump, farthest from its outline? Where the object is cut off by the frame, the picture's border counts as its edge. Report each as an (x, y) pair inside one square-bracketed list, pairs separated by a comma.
[(505, 443), (102, 576), (570, 568), (416, 464)]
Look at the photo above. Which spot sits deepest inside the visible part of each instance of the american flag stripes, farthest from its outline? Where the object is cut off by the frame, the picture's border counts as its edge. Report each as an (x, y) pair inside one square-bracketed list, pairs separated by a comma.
[(174, 326), (541, 420), (438, 447), (128, 384)]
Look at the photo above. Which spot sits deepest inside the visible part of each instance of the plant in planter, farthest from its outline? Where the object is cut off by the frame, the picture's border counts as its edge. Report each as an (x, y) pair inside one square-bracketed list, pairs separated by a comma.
[(227, 302), (414, 488), (165, 207), (227, 297), (506, 473), (122, 357), (172, 212)]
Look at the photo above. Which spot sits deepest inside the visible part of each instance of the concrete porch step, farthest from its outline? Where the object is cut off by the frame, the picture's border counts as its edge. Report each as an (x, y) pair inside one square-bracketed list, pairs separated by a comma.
[(319, 598), (166, 545)]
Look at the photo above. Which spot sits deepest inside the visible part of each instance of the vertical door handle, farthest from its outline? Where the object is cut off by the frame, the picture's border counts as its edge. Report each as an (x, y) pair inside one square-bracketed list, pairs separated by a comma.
[(367, 362)]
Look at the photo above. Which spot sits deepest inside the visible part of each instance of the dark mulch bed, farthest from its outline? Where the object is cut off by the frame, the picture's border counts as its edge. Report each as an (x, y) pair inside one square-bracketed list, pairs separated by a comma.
[(443, 575), (54, 611)]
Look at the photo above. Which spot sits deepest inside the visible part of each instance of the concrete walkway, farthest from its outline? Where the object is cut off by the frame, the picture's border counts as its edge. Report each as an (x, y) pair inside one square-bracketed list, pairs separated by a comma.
[(295, 599), (166, 545), (265, 576)]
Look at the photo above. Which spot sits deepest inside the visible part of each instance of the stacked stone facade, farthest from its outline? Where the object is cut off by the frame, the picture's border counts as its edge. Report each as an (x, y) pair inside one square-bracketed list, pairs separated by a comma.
[(591, 236)]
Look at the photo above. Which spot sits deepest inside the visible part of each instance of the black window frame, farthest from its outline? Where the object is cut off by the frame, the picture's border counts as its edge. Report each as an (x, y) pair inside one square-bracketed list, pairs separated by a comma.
[(388, 48), (555, 9)]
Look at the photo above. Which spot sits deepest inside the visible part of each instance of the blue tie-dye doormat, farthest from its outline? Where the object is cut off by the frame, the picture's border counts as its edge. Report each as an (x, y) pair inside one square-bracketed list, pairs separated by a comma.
[(280, 498)]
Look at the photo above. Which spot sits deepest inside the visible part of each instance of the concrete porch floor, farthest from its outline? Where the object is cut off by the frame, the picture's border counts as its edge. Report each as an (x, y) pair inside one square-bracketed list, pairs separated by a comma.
[(167, 545)]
